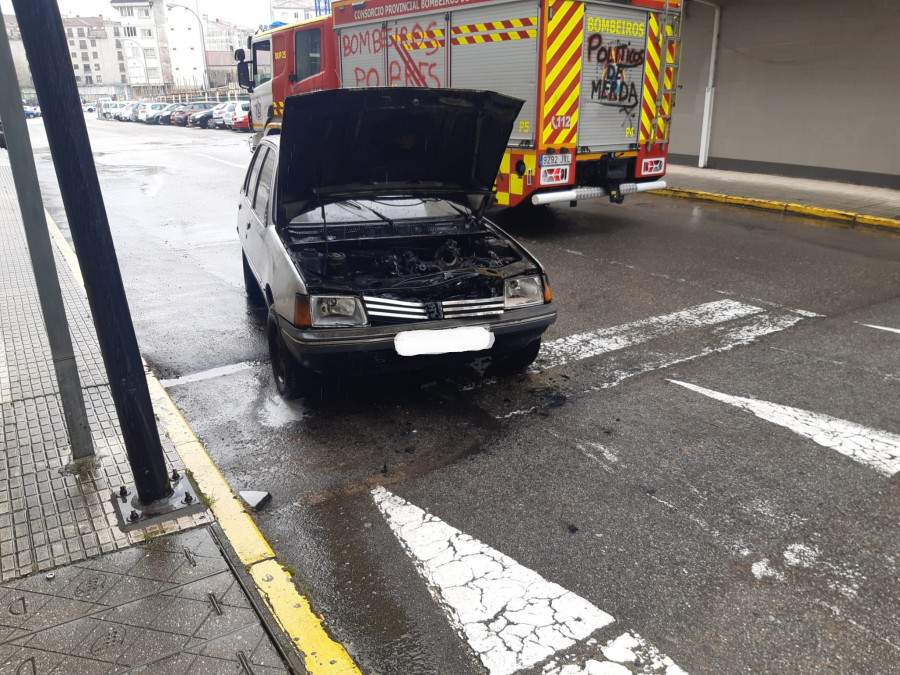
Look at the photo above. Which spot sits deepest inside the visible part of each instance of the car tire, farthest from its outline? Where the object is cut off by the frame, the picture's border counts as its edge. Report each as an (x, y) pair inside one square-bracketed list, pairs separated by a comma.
[(517, 361), (204, 124), (254, 293), (287, 373)]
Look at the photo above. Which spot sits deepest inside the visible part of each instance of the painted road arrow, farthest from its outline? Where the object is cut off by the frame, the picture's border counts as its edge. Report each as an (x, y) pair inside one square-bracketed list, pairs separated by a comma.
[(509, 615), (875, 448)]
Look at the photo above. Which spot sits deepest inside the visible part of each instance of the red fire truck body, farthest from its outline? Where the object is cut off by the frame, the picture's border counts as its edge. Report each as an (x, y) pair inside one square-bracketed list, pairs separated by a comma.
[(598, 78)]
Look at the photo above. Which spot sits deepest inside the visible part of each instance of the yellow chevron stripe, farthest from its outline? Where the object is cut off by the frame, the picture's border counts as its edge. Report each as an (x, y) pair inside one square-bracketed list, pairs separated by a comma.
[(481, 28), (554, 97), (568, 33), (564, 62)]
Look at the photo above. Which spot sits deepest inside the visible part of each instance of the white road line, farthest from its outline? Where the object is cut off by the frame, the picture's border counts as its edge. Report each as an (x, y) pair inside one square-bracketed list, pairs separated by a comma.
[(509, 615), (585, 345), (875, 448), (239, 166), (869, 325), (208, 374)]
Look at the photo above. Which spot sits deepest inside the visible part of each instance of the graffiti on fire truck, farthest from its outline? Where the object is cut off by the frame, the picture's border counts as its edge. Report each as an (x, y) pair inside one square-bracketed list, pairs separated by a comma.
[(619, 68), (409, 46)]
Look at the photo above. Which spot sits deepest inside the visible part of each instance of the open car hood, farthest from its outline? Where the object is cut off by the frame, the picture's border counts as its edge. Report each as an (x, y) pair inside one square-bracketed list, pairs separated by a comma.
[(353, 143)]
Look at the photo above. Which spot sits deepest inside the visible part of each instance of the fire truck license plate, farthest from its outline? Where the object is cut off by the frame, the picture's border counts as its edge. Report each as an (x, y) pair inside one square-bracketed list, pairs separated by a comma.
[(556, 160)]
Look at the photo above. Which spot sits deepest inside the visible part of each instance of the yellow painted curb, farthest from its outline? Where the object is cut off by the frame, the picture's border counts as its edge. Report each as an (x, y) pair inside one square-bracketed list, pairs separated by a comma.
[(274, 585), (848, 217), (321, 654)]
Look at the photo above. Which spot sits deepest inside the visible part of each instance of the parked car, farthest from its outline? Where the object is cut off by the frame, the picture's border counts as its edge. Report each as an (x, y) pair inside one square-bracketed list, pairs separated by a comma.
[(218, 118), (160, 115), (166, 116), (88, 106), (123, 114), (147, 109), (241, 121), (202, 118), (241, 108), (107, 108), (32, 111), (135, 111), (362, 228), (180, 117)]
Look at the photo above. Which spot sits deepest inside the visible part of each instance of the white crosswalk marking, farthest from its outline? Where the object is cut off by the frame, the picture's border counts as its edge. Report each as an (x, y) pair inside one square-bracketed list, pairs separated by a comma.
[(585, 345), (875, 448), (509, 615)]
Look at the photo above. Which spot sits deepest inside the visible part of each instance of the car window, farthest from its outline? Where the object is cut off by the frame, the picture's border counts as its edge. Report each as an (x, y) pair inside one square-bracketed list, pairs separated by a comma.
[(253, 171), (264, 188), (262, 62)]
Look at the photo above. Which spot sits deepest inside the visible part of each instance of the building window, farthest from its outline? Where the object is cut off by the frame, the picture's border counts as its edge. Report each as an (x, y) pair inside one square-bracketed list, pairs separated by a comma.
[(75, 66), (126, 11), (120, 56), (145, 33), (87, 67), (144, 12), (69, 32), (88, 79), (124, 80), (81, 32), (115, 31), (78, 78), (150, 53), (71, 43), (93, 43), (82, 44), (96, 57), (118, 44), (130, 31), (84, 56), (152, 72), (122, 68), (74, 55), (99, 79)]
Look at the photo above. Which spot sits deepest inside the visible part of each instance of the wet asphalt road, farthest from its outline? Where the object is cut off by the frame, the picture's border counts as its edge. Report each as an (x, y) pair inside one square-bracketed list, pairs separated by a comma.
[(730, 542)]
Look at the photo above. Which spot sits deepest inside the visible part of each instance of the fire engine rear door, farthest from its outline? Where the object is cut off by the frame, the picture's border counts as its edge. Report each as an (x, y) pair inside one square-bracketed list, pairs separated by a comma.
[(612, 76), (494, 46)]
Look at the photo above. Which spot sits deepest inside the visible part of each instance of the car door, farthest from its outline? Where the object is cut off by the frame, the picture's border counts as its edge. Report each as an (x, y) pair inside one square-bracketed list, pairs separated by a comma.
[(250, 220), (260, 214)]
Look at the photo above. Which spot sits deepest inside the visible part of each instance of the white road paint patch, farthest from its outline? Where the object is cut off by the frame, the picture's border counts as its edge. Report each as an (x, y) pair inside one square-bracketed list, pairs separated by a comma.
[(877, 449), (763, 570), (239, 166), (209, 374), (516, 413), (799, 555), (585, 345), (627, 654), (609, 457), (578, 253), (869, 325), (510, 616)]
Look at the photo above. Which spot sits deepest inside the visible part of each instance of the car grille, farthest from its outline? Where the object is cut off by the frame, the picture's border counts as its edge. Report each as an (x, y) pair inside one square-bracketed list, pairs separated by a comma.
[(389, 310)]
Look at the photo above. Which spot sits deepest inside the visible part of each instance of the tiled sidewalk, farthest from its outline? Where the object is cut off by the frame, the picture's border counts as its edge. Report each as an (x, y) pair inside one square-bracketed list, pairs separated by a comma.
[(78, 595)]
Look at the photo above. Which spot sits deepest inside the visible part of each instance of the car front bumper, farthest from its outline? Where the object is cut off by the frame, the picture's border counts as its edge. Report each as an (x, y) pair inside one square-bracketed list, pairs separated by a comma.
[(371, 348)]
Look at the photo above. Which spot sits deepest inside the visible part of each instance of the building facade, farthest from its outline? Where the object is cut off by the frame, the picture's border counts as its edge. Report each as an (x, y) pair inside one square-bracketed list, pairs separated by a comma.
[(292, 11), (804, 88)]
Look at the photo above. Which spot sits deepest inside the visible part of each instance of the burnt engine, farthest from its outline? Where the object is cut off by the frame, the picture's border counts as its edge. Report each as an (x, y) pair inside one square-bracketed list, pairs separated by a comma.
[(403, 262)]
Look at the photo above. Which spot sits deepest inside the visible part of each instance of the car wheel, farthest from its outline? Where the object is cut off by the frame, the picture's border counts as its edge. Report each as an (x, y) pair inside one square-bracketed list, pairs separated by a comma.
[(254, 293), (204, 124), (285, 369), (517, 361)]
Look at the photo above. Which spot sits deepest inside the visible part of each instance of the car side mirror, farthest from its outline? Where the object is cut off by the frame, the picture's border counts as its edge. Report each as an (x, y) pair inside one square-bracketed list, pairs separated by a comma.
[(239, 55), (243, 69)]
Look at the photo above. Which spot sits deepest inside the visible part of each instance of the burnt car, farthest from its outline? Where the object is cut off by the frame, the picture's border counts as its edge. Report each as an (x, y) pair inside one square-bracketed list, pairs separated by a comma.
[(363, 231)]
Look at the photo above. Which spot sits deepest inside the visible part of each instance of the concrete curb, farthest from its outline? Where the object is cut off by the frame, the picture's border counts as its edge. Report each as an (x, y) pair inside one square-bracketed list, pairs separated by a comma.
[(848, 218), (273, 583)]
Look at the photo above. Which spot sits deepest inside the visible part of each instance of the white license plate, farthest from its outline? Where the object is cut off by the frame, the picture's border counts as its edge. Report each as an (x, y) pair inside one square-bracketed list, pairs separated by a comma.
[(445, 341), (556, 160)]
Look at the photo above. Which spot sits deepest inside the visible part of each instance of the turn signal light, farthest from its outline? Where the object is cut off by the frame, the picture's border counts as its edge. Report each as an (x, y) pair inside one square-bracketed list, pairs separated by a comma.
[(302, 317), (548, 294)]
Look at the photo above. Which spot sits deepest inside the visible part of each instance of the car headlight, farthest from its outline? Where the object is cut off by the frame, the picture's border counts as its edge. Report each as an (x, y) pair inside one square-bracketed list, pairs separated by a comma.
[(523, 291), (336, 310)]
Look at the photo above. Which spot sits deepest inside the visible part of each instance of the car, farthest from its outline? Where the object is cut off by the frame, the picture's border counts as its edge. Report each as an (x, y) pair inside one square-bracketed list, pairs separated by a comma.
[(180, 117), (166, 116), (364, 237), (202, 118), (218, 118), (135, 111), (32, 111), (107, 108), (148, 109), (123, 113), (160, 115), (241, 108), (241, 118), (88, 107)]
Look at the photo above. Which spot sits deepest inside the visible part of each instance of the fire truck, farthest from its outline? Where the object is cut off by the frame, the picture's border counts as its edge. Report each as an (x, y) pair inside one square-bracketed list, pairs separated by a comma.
[(598, 78)]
